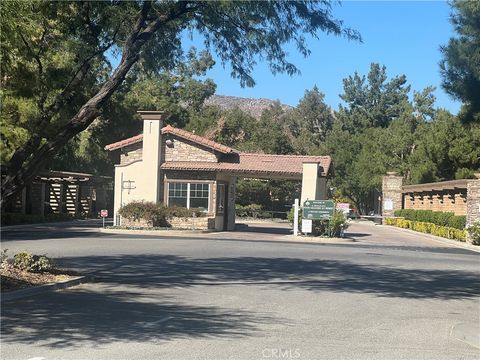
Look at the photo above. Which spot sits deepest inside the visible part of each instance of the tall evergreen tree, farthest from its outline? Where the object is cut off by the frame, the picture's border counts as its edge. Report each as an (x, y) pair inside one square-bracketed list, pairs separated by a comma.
[(460, 66)]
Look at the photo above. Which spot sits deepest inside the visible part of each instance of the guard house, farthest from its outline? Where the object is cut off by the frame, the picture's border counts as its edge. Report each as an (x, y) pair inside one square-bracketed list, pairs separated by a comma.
[(177, 167)]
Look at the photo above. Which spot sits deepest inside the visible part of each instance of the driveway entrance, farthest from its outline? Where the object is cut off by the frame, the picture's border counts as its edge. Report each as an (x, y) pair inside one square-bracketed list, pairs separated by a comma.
[(388, 296)]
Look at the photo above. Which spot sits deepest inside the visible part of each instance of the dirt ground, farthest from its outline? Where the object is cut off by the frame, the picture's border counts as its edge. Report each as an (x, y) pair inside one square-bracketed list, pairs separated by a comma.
[(15, 279)]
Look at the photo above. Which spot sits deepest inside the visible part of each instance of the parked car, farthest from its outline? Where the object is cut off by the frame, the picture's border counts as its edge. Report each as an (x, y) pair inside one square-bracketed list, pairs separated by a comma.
[(353, 214)]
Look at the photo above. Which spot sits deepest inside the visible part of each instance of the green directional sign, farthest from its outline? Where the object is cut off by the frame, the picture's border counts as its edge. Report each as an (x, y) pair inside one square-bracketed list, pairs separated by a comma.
[(318, 209)]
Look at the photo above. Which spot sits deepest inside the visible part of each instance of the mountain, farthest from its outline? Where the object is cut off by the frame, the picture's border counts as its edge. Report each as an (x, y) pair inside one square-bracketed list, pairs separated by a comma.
[(254, 107)]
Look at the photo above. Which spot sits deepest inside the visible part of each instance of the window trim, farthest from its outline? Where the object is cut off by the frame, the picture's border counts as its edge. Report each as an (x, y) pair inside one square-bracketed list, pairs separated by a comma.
[(188, 182)]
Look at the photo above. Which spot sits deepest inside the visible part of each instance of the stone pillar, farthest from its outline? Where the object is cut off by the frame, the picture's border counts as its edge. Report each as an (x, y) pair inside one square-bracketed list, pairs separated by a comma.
[(231, 203), (391, 193), (473, 201)]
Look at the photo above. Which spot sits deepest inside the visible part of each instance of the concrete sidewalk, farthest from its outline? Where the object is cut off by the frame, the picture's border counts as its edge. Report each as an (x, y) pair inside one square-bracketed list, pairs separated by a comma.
[(266, 231)]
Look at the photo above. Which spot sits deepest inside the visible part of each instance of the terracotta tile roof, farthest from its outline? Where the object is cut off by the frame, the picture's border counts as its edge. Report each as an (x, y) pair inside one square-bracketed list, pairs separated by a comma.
[(177, 132), (255, 164), (197, 139), (124, 142)]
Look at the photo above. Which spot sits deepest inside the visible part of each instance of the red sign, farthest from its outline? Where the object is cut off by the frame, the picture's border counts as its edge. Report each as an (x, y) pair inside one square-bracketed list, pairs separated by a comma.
[(343, 206), (104, 213)]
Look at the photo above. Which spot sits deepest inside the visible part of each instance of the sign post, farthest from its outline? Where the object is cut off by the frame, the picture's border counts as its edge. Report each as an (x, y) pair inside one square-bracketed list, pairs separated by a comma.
[(103, 214), (295, 218)]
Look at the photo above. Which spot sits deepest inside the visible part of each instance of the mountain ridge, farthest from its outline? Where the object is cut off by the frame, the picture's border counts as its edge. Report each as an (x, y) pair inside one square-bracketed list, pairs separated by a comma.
[(252, 106)]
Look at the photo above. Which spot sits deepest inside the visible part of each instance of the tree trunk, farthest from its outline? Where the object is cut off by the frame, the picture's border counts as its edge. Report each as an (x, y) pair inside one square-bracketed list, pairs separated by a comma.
[(28, 160)]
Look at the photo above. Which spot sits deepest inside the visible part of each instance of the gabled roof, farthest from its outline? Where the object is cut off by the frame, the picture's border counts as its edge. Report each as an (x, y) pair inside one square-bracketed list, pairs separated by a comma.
[(124, 142), (176, 132), (250, 163), (197, 139)]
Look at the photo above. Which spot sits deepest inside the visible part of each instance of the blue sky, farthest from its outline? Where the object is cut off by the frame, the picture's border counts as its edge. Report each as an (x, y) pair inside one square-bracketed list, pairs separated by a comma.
[(403, 36)]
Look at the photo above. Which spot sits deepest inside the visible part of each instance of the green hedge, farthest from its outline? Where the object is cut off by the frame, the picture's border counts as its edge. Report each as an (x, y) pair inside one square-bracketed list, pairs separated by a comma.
[(252, 210), (448, 219), (429, 228), (18, 219)]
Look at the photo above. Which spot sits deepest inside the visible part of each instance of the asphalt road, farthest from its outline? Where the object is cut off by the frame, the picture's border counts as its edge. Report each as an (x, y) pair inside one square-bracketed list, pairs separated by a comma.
[(389, 295)]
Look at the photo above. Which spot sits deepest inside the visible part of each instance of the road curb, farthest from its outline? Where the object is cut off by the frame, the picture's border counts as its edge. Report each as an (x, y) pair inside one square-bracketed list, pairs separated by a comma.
[(171, 232), (190, 235), (24, 293), (456, 243)]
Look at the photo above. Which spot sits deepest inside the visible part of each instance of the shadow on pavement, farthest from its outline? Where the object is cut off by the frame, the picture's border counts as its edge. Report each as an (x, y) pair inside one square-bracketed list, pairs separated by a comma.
[(59, 230), (77, 317), (104, 313), (148, 271), (280, 230), (356, 235)]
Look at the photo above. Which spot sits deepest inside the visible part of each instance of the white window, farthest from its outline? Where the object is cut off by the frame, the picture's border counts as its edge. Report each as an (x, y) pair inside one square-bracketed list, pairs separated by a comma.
[(189, 195)]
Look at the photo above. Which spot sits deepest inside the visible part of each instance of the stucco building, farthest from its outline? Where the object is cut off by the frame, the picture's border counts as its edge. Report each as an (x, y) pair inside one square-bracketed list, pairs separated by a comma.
[(176, 167)]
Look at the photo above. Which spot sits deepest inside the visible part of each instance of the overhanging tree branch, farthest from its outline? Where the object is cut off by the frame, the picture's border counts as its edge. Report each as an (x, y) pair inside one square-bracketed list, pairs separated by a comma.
[(29, 159)]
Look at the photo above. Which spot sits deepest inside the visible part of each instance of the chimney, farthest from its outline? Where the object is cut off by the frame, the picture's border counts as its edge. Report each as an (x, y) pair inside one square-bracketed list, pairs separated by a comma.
[(152, 154)]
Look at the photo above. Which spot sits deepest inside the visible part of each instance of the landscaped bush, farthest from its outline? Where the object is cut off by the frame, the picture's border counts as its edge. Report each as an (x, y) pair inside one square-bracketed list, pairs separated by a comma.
[(145, 210), (474, 232), (337, 223), (448, 219), (251, 210), (291, 214), (33, 263), (429, 228), (156, 214)]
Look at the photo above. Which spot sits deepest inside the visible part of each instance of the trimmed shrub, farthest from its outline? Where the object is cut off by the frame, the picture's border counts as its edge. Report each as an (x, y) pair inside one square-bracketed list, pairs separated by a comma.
[(428, 228), (156, 214), (251, 210), (146, 210), (474, 232), (337, 223), (33, 263), (448, 219)]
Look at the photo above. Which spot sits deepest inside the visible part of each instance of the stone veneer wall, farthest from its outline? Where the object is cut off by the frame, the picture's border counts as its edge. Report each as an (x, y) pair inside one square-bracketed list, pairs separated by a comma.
[(199, 223), (131, 153), (183, 150), (473, 201), (392, 190)]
